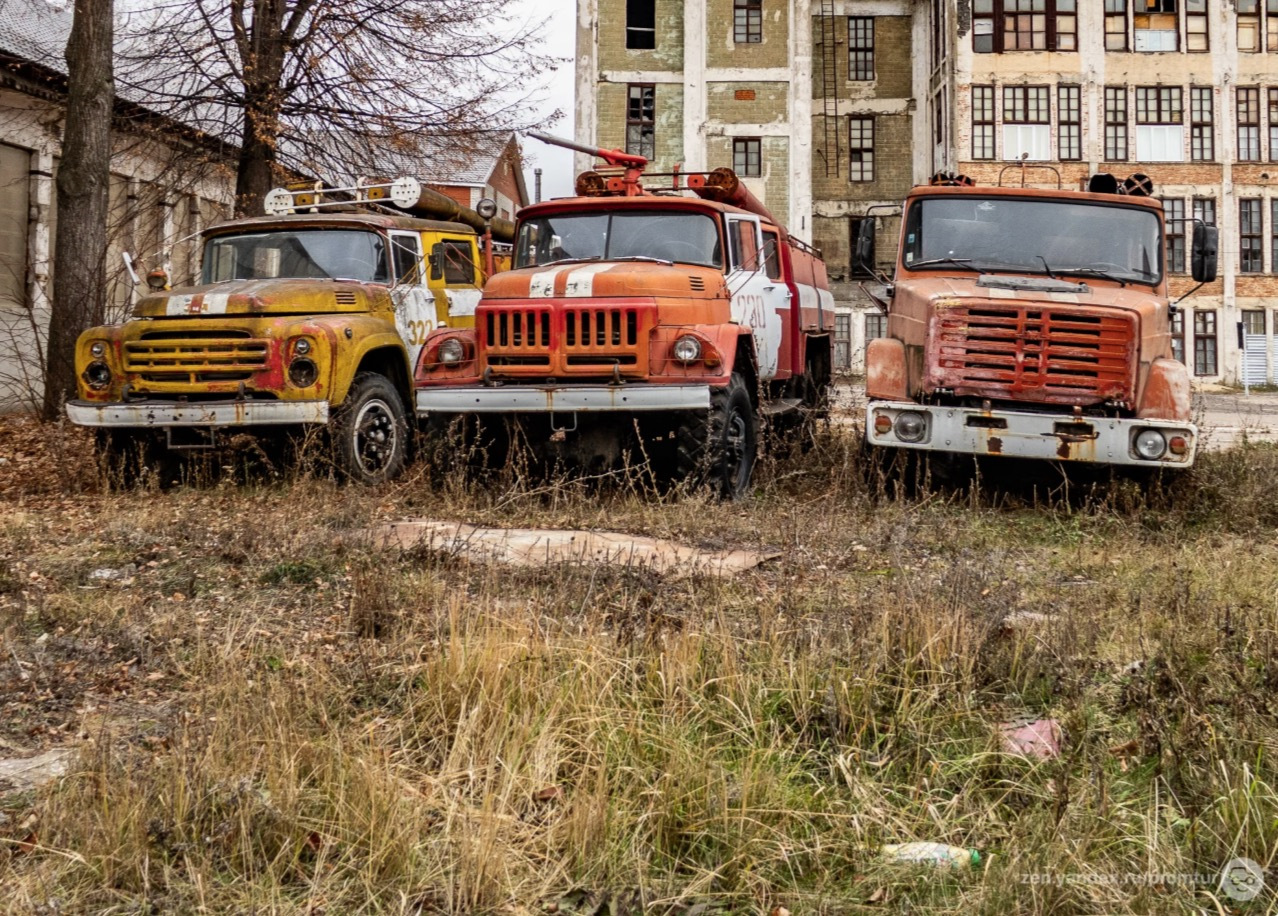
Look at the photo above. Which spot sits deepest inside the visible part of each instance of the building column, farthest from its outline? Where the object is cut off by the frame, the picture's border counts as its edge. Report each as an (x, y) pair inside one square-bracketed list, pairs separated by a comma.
[(586, 84), (695, 106), (800, 153)]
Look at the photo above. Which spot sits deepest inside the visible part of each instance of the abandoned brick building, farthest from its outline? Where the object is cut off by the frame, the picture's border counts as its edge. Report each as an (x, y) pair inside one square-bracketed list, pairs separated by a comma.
[(832, 109)]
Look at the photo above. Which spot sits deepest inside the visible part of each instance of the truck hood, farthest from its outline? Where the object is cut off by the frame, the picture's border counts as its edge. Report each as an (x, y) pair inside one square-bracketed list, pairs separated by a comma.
[(607, 279), (257, 297), (1142, 300)]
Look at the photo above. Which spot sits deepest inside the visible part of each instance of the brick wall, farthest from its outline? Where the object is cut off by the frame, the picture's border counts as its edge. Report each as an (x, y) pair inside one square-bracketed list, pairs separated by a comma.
[(747, 103), (613, 54), (893, 60), (669, 122), (773, 186), (893, 165), (723, 51)]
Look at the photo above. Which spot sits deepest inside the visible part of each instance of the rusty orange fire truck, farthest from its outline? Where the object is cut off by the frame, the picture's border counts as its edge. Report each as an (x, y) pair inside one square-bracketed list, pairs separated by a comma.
[(662, 318), (1033, 323)]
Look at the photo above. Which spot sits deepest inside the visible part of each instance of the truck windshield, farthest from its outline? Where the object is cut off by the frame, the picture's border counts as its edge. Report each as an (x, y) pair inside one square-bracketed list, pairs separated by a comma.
[(689, 238), (339, 254), (1023, 235)]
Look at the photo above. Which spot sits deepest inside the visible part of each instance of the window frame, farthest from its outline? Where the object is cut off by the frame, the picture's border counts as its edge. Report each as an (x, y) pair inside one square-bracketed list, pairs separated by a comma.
[(1273, 118), (1174, 234), (1117, 10), (1117, 140), (1252, 16), (860, 57), (747, 22), (862, 163), (990, 18), (1247, 118), (1069, 112), (984, 118), (1248, 316), (1251, 232), (1177, 331), (635, 34), (1202, 124), (742, 146), (1164, 8), (650, 141), (1206, 331), (1196, 24)]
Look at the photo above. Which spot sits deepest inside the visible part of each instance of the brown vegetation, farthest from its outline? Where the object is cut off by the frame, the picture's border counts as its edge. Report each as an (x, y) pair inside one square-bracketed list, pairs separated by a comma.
[(270, 719)]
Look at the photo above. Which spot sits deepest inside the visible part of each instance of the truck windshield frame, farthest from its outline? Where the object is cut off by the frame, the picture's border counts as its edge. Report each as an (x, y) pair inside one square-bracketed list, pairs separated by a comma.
[(678, 237), (302, 254), (1034, 235)]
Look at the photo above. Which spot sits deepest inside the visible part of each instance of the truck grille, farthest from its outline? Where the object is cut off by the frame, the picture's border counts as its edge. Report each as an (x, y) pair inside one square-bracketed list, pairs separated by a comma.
[(544, 340), (196, 356), (1062, 355)]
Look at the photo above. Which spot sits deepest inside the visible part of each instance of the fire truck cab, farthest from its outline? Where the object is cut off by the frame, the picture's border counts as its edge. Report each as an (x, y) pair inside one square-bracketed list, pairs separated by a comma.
[(658, 323)]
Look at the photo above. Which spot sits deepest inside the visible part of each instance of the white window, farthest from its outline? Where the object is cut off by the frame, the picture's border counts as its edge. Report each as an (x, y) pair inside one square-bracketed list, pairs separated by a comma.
[(1160, 143), (1034, 139), (1156, 40)]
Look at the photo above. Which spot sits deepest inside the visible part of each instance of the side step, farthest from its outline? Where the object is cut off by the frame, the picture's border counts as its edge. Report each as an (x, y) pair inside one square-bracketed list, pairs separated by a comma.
[(779, 406)]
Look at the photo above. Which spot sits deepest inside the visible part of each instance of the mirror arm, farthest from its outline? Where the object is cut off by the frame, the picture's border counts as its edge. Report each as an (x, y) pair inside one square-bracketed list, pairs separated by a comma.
[(1173, 305)]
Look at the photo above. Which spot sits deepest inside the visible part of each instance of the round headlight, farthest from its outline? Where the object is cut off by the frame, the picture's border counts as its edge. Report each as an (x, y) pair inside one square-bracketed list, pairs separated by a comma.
[(451, 352), (98, 349), (302, 347), (303, 372), (1150, 444), (98, 375), (686, 349), (910, 426)]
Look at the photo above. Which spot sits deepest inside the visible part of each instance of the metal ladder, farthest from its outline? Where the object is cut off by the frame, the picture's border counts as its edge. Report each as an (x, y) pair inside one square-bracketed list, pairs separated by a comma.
[(830, 90)]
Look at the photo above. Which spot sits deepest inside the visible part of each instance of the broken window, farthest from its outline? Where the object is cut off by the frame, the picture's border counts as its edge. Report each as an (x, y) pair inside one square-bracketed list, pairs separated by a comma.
[(1157, 25), (747, 21), (1174, 215), (982, 122), (1248, 12), (1205, 343), (1196, 38), (1248, 124), (1115, 123), (1024, 25), (1250, 230), (641, 120), (1069, 105), (1202, 130), (861, 149), (860, 47), (747, 157), (641, 25), (1115, 25)]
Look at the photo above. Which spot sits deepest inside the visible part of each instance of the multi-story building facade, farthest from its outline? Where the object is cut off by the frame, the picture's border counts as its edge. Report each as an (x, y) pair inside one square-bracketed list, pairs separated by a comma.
[(833, 108)]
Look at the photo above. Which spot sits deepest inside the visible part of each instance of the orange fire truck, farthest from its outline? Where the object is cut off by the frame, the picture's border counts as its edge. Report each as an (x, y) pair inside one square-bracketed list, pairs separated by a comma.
[(1033, 323), (661, 319)]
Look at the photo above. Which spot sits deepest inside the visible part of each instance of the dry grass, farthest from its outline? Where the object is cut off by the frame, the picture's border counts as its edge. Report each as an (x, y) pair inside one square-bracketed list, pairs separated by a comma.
[(272, 720)]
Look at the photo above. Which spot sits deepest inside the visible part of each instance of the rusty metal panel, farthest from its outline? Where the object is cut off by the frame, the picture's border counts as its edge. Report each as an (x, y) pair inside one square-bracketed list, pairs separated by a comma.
[(1034, 352)]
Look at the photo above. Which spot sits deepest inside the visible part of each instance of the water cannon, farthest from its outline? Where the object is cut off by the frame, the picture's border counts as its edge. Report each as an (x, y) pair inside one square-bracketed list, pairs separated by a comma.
[(593, 184)]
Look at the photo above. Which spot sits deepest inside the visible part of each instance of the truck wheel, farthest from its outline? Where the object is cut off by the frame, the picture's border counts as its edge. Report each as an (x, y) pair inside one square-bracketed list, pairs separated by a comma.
[(719, 447), (370, 431)]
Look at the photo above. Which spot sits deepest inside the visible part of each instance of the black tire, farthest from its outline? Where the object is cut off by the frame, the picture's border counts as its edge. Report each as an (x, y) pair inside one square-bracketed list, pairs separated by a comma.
[(718, 448), (370, 431)]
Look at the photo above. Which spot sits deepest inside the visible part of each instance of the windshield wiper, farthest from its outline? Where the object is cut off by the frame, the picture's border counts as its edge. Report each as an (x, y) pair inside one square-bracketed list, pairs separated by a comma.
[(645, 259), (593, 257), (1093, 272), (961, 262)]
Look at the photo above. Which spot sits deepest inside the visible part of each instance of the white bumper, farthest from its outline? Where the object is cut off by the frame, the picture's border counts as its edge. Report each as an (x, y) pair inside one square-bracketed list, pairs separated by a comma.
[(205, 413), (562, 398), (1022, 434)]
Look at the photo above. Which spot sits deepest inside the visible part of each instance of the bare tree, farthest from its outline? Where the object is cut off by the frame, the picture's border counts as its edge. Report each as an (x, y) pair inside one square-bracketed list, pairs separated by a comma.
[(292, 81), (79, 260)]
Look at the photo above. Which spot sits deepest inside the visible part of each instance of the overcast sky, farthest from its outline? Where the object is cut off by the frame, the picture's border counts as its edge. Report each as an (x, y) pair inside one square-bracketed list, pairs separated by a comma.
[(560, 38)]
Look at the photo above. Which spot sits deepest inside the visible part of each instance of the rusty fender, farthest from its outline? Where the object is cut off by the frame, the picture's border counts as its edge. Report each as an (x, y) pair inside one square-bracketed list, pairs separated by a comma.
[(886, 376)]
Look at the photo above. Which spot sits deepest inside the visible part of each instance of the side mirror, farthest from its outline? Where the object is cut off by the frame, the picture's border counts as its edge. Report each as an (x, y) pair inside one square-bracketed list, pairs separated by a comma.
[(863, 252), (1203, 257)]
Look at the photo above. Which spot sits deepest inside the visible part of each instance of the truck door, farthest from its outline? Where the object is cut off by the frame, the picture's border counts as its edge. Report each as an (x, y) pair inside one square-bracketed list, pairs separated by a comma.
[(414, 304), (757, 299), (453, 269)]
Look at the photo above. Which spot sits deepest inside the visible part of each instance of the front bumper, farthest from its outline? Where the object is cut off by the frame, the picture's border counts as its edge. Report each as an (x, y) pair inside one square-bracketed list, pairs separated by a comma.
[(204, 413), (1022, 434), (562, 398)]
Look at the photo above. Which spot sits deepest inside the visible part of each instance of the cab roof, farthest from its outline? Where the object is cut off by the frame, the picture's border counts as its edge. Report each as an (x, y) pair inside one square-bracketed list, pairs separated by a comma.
[(924, 190), (641, 202), (339, 220)]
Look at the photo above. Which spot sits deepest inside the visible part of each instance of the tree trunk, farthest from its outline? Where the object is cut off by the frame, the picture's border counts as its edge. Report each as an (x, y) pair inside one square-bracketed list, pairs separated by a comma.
[(256, 171), (79, 258)]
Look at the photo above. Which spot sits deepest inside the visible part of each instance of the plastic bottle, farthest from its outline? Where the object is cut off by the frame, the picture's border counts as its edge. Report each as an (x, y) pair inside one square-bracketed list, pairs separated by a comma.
[(932, 854)]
